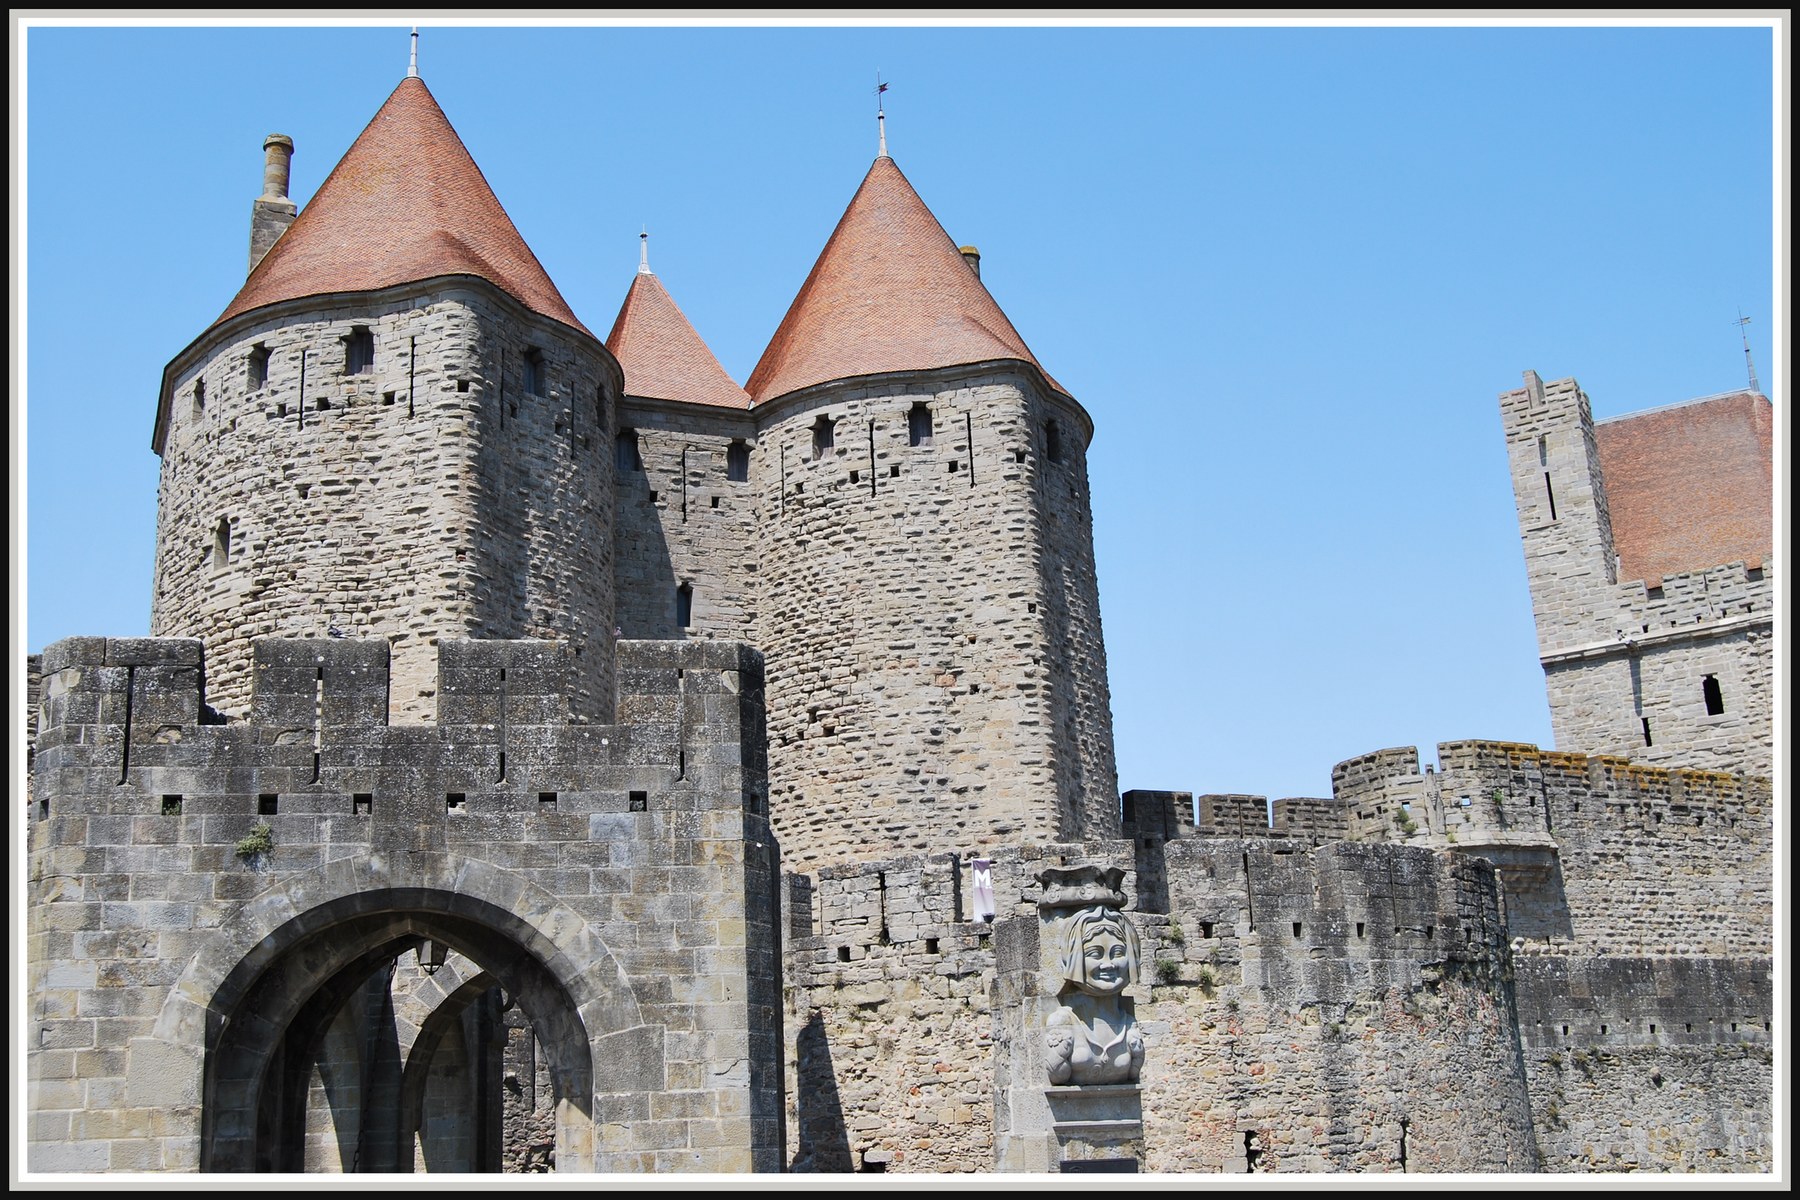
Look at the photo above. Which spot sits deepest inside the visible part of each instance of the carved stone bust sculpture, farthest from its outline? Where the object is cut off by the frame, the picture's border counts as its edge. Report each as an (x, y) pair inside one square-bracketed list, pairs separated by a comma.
[(1093, 1036)]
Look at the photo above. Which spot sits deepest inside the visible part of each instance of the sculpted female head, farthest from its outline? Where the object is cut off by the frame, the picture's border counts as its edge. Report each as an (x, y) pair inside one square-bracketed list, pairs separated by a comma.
[(1099, 951)]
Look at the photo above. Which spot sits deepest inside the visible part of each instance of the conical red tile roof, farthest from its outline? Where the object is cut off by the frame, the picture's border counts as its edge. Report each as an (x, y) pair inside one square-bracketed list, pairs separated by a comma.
[(662, 355), (890, 292), (405, 203)]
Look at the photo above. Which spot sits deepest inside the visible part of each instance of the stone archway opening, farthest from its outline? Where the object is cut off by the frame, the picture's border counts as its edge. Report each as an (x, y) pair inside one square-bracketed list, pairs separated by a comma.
[(396, 1031)]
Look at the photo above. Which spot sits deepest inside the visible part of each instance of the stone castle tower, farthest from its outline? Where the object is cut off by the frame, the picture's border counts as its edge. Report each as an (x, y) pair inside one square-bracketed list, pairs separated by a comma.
[(1648, 547), (896, 512), (396, 429)]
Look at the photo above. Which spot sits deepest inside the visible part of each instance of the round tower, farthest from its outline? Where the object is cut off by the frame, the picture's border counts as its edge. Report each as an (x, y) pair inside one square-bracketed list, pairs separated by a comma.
[(396, 429), (929, 614)]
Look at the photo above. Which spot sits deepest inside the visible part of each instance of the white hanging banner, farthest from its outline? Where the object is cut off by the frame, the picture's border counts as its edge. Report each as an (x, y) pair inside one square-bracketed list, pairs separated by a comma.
[(983, 871)]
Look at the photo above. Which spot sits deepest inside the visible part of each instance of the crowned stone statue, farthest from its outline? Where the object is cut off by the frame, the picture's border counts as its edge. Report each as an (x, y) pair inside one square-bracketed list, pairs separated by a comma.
[(1093, 1037)]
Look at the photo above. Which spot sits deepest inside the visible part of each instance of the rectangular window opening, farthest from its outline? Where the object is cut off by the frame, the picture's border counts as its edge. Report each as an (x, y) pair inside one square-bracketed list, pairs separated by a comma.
[(267, 804), (1647, 740), (361, 804), (843, 954), (931, 945), (918, 425), (640, 801), (258, 369), (359, 352), (171, 805), (1296, 929), (546, 801), (535, 382), (454, 801), (462, 386), (1550, 495), (1715, 699), (626, 456), (737, 462)]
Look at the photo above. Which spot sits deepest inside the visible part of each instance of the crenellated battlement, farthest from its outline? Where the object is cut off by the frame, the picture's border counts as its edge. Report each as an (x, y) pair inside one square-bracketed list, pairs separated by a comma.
[(126, 733)]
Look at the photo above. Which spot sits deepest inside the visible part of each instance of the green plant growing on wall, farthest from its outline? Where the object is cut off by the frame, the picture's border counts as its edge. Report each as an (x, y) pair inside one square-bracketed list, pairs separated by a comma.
[(1176, 936), (1209, 978), (1404, 820), (1168, 971), (259, 841)]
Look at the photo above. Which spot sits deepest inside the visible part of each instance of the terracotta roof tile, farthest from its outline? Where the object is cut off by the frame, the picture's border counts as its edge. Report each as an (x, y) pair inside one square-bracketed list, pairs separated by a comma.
[(662, 355), (890, 292), (405, 203), (1690, 486)]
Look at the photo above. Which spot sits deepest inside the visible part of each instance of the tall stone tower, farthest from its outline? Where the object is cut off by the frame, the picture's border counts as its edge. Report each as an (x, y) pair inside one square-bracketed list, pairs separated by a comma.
[(397, 429), (1649, 550), (928, 605)]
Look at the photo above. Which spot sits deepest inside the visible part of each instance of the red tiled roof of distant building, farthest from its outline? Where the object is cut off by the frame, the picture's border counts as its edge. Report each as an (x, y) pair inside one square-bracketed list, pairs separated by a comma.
[(405, 203), (663, 357), (890, 292), (1689, 486)]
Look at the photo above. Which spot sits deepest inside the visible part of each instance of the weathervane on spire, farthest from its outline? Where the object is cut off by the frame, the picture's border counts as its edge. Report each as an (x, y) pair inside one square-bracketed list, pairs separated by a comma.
[(644, 252), (880, 115), (412, 67), (1742, 322)]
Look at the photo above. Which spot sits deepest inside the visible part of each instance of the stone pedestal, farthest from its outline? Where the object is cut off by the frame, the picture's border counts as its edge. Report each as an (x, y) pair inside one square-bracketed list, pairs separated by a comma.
[(1097, 1127)]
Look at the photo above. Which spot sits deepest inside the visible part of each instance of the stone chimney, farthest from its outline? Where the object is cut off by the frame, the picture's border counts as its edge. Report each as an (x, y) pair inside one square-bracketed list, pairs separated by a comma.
[(972, 256), (273, 212)]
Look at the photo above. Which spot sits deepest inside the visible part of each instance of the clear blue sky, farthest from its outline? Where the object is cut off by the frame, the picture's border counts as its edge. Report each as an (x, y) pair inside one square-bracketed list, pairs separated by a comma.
[(1287, 270)]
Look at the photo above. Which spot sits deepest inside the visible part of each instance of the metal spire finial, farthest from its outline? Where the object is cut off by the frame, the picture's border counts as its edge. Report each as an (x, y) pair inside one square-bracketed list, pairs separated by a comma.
[(644, 252), (1742, 322), (412, 68), (880, 116)]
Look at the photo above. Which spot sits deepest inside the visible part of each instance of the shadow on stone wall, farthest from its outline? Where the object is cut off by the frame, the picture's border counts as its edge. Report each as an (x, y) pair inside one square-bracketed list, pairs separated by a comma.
[(824, 1141)]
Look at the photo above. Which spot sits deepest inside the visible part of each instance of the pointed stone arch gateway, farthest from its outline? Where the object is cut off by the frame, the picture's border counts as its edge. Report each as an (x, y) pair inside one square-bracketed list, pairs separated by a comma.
[(253, 1006)]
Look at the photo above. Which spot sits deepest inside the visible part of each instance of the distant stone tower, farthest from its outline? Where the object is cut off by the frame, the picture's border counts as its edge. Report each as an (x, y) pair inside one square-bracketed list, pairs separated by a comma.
[(397, 429), (1648, 546), (929, 611)]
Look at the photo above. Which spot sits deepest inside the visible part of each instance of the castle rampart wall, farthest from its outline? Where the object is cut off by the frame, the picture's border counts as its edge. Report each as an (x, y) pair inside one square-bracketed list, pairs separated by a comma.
[(428, 495), (625, 868), (1328, 1049), (1649, 1064), (1599, 854)]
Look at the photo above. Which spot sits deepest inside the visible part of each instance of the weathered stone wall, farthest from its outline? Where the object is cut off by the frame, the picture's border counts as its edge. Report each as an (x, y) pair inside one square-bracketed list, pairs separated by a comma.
[(681, 520), (1649, 1064), (1601, 702), (919, 663), (1625, 661), (1334, 1009), (616, 878), (1381, 1032), (429, 497)]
